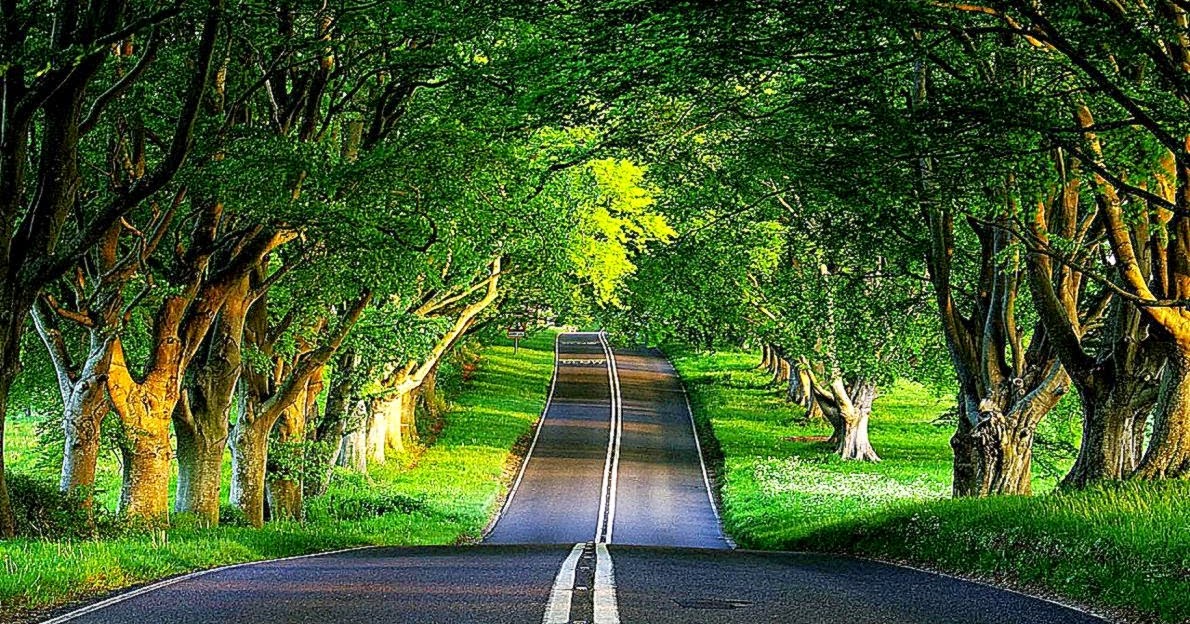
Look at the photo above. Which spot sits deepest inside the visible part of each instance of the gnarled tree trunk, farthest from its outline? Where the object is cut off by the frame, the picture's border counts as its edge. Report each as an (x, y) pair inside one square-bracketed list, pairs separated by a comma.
[(400, 408), (249, 458), (856, 403), (376, 430), (1115, 416), (202, 417), (848, 411), (146, 452), (326, 436), (782, 370), (289, 390), (993, 443), (84, 401), (10, 348), (1168, 455), (766, 356), (145, 410)]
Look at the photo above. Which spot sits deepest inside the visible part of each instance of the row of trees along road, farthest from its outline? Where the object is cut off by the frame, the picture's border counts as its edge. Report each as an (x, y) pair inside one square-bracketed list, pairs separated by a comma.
[(215, 213), (996, 193)]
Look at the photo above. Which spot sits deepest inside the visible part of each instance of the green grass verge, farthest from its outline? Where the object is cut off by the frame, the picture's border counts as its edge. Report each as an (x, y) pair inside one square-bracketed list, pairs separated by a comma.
[(445, 495), (1124, 549)]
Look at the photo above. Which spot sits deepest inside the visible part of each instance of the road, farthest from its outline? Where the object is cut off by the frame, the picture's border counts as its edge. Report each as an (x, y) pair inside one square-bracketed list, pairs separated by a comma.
[(610, 520)]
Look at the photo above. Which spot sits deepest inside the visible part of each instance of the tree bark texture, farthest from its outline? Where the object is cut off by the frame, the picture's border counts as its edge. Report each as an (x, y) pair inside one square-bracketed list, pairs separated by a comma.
[(202, 417), (1168, 455), (848, 410)]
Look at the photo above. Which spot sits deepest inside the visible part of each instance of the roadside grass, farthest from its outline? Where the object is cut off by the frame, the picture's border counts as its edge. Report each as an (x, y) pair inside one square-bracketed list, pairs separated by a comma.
[(779, 480), (443, 494), (1124, 548)]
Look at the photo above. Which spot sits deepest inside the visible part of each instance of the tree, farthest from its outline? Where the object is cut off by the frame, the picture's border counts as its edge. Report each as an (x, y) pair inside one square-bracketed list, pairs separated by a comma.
[(90, 68)]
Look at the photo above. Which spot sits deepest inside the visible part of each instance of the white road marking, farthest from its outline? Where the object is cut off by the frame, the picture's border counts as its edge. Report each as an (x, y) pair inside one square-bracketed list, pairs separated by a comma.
[(606, 609), (706, 479), (91, 608), (533, 445), (618, 402), (607, 500), (557, 611)]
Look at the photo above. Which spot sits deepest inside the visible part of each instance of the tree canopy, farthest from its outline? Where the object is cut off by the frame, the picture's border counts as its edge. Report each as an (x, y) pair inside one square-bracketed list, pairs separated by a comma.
[(263, 225)]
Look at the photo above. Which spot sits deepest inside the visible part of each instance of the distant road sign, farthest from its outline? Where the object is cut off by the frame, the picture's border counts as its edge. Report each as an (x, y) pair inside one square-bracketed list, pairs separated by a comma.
[(516, 332)]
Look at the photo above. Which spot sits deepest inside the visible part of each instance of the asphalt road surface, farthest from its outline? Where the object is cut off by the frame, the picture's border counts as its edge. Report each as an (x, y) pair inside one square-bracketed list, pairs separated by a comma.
[(611, 520)]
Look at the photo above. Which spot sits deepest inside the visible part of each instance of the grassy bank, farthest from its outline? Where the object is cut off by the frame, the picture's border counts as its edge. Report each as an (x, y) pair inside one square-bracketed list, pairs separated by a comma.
[(1125, 548), (442, 495)]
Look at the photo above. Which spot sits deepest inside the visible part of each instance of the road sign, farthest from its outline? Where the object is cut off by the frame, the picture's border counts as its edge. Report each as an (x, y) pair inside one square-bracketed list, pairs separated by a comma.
[(516, 332)]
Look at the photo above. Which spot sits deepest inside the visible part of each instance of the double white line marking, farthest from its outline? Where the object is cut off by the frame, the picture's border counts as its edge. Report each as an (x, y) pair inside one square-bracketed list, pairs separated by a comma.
[(611, 465), (604, 607)]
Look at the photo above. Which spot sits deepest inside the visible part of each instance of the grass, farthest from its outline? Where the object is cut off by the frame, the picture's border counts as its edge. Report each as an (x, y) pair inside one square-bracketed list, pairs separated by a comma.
[(1123, 549), (442, 495)]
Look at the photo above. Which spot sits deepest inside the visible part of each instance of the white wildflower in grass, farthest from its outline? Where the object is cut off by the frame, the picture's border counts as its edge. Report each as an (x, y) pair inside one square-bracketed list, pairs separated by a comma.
[(819, 487)]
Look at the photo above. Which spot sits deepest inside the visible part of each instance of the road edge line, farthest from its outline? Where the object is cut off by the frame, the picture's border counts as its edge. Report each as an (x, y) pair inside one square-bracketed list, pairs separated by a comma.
[(606, 609), (516, 484), (557, 610), (702, 462), (965, 579), (128, 595)]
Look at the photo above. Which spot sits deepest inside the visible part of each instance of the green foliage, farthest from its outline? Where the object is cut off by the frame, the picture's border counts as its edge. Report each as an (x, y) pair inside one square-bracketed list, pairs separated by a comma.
[(617, 223), (354, 495), (43, 512)]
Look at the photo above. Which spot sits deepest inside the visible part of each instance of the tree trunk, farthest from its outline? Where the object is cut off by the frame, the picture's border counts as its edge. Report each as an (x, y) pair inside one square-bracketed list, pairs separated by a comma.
[(81, 423), (84, 397), (798, 391), (202, 419), (286, 466), (847, 411), (326, 438), (323, 458), (377, 431), (353, 449), (285, 498), (1168, 455), (249, 457), (79, 461), (801, 392), (852, 436), (427, 395), (9, 349), (993, 443), (831, 413), (766, 356), (783, 371), (144, 493), (1115, 412), (200, 473), (992, 457), (145, 411), (400, 409)]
